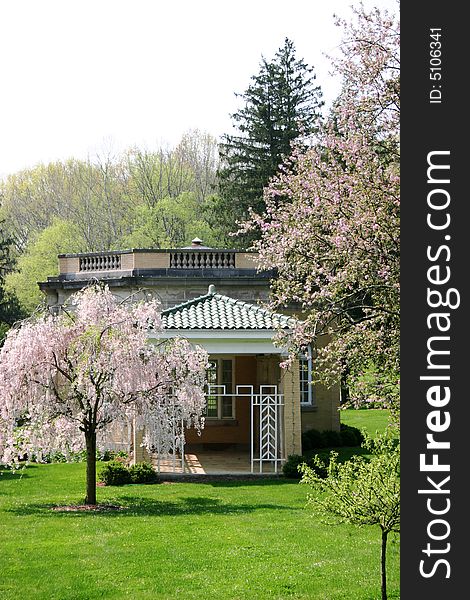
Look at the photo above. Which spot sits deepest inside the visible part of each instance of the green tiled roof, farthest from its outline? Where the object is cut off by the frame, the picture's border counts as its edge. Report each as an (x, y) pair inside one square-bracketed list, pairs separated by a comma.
[(214, 311)]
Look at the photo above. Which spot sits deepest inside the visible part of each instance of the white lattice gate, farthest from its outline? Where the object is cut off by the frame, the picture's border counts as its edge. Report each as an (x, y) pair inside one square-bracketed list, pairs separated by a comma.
[(266, 428), (267, 423)]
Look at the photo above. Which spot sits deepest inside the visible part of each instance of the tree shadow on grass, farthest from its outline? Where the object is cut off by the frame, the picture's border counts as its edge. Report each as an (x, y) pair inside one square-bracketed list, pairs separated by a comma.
[(133, 506), (193, 505), (9, 474), (230, 481)]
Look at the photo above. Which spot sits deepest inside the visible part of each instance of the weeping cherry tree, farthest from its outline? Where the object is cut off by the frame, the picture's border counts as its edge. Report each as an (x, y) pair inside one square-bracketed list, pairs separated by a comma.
[(64, 379)]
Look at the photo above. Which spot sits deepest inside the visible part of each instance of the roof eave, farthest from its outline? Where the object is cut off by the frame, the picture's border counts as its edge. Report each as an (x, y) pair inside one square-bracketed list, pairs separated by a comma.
[(218, 333)]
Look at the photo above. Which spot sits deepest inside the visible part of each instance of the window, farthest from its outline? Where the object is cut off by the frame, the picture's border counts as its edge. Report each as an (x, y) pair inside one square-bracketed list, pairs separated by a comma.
[(220, 373), (305, 379)]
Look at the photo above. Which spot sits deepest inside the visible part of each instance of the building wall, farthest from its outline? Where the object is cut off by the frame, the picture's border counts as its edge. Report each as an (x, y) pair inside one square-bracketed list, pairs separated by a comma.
[(118, 437), (168, 293), (171, 294), (325, 413)]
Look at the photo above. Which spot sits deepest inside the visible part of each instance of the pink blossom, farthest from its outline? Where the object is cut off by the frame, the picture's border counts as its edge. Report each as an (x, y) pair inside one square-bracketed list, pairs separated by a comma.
[(92, 366)]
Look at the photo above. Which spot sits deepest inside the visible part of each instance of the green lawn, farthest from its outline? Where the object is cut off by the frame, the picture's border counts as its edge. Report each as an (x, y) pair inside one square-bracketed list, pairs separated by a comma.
[(221, 540), (370, 419)]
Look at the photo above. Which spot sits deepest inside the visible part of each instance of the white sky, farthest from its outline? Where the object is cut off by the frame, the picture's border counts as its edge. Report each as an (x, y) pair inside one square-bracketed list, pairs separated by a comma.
[(79, 76)]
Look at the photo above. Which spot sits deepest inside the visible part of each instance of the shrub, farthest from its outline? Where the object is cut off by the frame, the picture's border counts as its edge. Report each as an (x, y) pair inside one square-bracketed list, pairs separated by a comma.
[(332, 438), (51, 457), (319, 464), (291, 467), (107, 455), (351, 436), (313, 439), (114, 473), (142, 473), (348, 438), (77, 457)]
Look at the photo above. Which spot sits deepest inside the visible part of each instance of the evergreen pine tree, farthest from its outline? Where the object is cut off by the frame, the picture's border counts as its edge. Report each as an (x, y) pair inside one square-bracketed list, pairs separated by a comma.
[(10, 310), (281, 104)]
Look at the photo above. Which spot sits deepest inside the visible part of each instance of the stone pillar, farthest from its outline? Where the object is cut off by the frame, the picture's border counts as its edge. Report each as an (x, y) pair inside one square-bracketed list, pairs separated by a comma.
[(69, 264), (292, 420), (140, 454)]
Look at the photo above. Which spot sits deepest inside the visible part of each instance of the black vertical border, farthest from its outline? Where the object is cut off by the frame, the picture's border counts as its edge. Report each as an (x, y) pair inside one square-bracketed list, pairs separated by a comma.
[(427, 127)]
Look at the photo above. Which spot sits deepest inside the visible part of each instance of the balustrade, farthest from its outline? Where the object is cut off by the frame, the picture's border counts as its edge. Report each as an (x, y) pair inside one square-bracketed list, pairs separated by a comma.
[(202, 260), (100, 262)]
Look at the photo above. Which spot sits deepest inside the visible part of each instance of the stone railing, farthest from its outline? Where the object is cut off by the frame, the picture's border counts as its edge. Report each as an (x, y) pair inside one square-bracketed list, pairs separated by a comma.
[(200, 259), (100, 262), (146, 260)]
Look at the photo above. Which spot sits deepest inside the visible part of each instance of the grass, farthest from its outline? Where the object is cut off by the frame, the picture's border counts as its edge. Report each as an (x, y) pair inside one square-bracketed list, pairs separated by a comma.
[(373, 420), (221, 540), (225, 540)]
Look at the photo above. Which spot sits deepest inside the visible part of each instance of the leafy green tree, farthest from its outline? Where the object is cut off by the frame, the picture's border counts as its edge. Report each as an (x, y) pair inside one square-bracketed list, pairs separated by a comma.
[(157, 175), (10, 310), (171, 223), (100, 195), (93, 195), (362, 491), (374, 385), (138, 198), (200, 153), (39, 261), (281, 104), (189, 167)]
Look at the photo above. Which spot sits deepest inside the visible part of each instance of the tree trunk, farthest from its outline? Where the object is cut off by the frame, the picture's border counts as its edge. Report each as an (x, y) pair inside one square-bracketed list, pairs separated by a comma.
[(383, 561), (90, 437)]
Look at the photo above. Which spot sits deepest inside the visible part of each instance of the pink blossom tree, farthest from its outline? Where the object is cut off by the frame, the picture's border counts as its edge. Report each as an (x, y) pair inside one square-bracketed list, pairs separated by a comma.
[(64, 379), (331, 226)]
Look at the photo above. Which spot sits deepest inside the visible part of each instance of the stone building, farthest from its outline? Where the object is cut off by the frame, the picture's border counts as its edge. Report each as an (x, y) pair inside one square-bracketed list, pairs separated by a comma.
[(256, 410)]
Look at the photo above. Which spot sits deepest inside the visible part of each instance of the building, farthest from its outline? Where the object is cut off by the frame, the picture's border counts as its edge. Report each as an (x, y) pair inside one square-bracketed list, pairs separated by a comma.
[(256, 410)]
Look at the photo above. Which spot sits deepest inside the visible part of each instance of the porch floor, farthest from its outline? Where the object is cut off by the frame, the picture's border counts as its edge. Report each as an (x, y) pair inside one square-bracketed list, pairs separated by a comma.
[(206, 462)]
